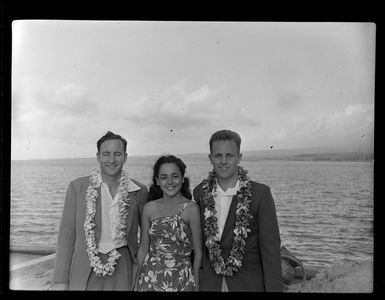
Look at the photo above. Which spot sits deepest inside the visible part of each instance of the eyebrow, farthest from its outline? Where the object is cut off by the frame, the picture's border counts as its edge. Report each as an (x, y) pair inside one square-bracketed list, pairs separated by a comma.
[(175, 173), (106, 151)]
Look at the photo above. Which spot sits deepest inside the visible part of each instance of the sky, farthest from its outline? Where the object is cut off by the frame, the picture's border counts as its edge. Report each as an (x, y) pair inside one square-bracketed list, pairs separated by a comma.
[(166, 86)]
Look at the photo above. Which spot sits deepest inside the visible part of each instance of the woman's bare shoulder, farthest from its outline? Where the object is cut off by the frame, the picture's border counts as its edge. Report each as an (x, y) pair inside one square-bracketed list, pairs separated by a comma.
[(152, 205), (192, 207)]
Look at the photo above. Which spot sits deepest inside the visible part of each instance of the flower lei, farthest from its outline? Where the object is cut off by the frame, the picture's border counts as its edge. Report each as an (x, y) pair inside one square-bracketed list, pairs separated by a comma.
[(211, 230), (107, 269)]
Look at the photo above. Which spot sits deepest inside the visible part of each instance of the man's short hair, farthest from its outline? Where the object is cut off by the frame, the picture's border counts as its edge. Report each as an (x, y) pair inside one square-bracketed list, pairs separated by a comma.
[(111, 136), (226, 135)]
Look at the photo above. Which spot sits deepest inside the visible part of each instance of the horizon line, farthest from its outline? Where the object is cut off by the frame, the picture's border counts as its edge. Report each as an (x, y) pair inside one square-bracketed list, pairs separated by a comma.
[(206, 153)]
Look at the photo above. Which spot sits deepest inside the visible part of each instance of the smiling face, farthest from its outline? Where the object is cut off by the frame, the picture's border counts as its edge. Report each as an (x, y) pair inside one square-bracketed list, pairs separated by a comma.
[(225, 158), (170, 179), (111, 157)]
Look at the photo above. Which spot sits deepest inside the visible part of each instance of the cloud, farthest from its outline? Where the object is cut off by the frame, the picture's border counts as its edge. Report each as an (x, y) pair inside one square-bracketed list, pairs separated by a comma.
[(353, 125), (71, 99), (177, 104), (348, 126), (66, 110), (52, 109), (288, 100), (180, 107), (354, 117)]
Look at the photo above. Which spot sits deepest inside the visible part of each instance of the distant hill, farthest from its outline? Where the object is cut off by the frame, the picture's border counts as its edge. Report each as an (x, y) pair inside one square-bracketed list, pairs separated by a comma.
[(300, 154), (310, 154)]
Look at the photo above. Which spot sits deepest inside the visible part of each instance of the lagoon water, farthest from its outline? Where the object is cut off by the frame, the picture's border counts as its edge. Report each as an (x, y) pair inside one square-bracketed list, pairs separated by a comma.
[(324, 208)]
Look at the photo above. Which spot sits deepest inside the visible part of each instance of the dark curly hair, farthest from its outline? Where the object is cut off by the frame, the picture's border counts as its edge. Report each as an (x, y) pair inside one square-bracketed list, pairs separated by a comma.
[(155, 191)]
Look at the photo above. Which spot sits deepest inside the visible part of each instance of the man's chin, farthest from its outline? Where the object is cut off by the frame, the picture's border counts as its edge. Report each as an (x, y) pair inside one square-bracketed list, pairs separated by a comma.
[(112, 173), (224, 175)]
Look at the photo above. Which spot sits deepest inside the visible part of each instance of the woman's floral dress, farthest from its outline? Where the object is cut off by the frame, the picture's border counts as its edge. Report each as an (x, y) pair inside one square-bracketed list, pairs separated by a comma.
[(168, 267)]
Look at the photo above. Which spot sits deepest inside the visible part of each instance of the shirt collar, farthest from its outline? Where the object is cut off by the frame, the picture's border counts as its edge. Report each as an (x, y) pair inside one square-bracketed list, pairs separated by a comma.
[(230, 191)]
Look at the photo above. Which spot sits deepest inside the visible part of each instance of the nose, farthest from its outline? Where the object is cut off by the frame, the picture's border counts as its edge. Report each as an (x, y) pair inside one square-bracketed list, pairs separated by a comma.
[(111, 158), (223, 160)]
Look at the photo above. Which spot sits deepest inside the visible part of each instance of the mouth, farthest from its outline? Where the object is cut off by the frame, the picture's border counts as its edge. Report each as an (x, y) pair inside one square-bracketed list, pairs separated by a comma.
[(170, 188), (111, 166)]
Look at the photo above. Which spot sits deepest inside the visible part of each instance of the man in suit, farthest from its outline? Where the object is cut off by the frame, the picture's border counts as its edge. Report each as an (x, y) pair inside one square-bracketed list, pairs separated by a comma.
[(97, 239), (239, 224)]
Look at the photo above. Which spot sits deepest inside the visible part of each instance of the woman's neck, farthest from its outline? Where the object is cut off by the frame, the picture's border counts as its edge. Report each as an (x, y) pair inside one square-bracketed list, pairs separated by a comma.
[(172, 199)]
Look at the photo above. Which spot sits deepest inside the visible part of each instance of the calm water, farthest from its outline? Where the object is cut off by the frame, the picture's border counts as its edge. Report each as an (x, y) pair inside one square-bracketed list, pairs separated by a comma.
[(325, 209)]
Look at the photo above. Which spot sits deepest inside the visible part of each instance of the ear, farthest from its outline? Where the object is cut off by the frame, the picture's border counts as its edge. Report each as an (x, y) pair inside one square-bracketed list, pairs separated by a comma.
[(210, 158), (239, 158), (157, 181), (98, 157)]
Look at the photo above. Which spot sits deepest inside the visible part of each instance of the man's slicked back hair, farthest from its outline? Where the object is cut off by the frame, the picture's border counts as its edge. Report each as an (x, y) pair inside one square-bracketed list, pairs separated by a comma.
[(225, 135), (111, 136)]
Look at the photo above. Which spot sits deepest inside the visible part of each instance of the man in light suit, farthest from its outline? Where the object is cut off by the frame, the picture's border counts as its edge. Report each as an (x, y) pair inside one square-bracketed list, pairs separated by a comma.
[(239, 224), (97, 239)]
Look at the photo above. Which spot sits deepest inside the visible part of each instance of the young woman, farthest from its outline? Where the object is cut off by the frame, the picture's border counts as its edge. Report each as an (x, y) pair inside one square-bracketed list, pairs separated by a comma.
[(170, 231)]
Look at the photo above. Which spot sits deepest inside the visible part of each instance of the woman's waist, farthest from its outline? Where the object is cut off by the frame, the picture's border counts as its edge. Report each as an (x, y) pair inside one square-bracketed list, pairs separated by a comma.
[(171, 254), (170, 244)]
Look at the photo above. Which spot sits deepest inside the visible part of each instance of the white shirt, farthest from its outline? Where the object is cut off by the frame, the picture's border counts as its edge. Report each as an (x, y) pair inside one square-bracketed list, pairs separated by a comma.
[(222, 204), (110, 218)]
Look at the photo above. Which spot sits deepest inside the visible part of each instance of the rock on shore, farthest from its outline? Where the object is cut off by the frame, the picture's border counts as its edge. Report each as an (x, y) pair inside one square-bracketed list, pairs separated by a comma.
[(345, 278)]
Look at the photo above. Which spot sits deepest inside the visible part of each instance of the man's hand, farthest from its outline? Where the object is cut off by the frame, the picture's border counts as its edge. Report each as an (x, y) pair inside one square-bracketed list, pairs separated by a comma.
[(135, 277)]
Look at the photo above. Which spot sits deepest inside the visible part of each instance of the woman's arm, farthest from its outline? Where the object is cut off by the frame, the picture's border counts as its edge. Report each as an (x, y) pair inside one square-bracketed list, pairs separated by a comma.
[(195, 225), (144, 236)]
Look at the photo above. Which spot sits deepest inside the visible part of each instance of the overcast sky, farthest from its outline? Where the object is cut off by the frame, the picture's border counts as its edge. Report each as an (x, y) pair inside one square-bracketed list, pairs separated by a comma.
[(167, 86)]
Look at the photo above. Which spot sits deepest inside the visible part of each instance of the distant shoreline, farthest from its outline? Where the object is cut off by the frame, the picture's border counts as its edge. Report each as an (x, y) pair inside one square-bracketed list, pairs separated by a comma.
[(282, 155), (349, 157)]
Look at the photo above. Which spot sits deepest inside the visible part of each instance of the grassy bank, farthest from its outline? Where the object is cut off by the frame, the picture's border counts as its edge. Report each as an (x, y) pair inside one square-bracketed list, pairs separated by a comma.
[(345, 278)]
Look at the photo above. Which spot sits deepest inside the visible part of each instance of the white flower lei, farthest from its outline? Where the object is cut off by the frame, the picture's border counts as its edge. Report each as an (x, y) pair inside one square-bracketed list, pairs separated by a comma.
[(107, 269), (234, 261)]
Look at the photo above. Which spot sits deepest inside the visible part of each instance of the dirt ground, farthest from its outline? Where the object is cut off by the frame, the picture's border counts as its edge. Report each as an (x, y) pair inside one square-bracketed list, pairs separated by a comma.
[(347, 278)]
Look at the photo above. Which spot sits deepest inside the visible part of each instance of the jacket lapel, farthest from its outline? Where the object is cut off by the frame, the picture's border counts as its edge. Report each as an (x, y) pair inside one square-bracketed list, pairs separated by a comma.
[(133, 196), (230, 220), (98, 216)]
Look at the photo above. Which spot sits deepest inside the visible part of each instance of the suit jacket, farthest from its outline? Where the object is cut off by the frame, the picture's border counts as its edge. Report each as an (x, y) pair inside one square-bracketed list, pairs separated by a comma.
[(72, 264), (261, 268)]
